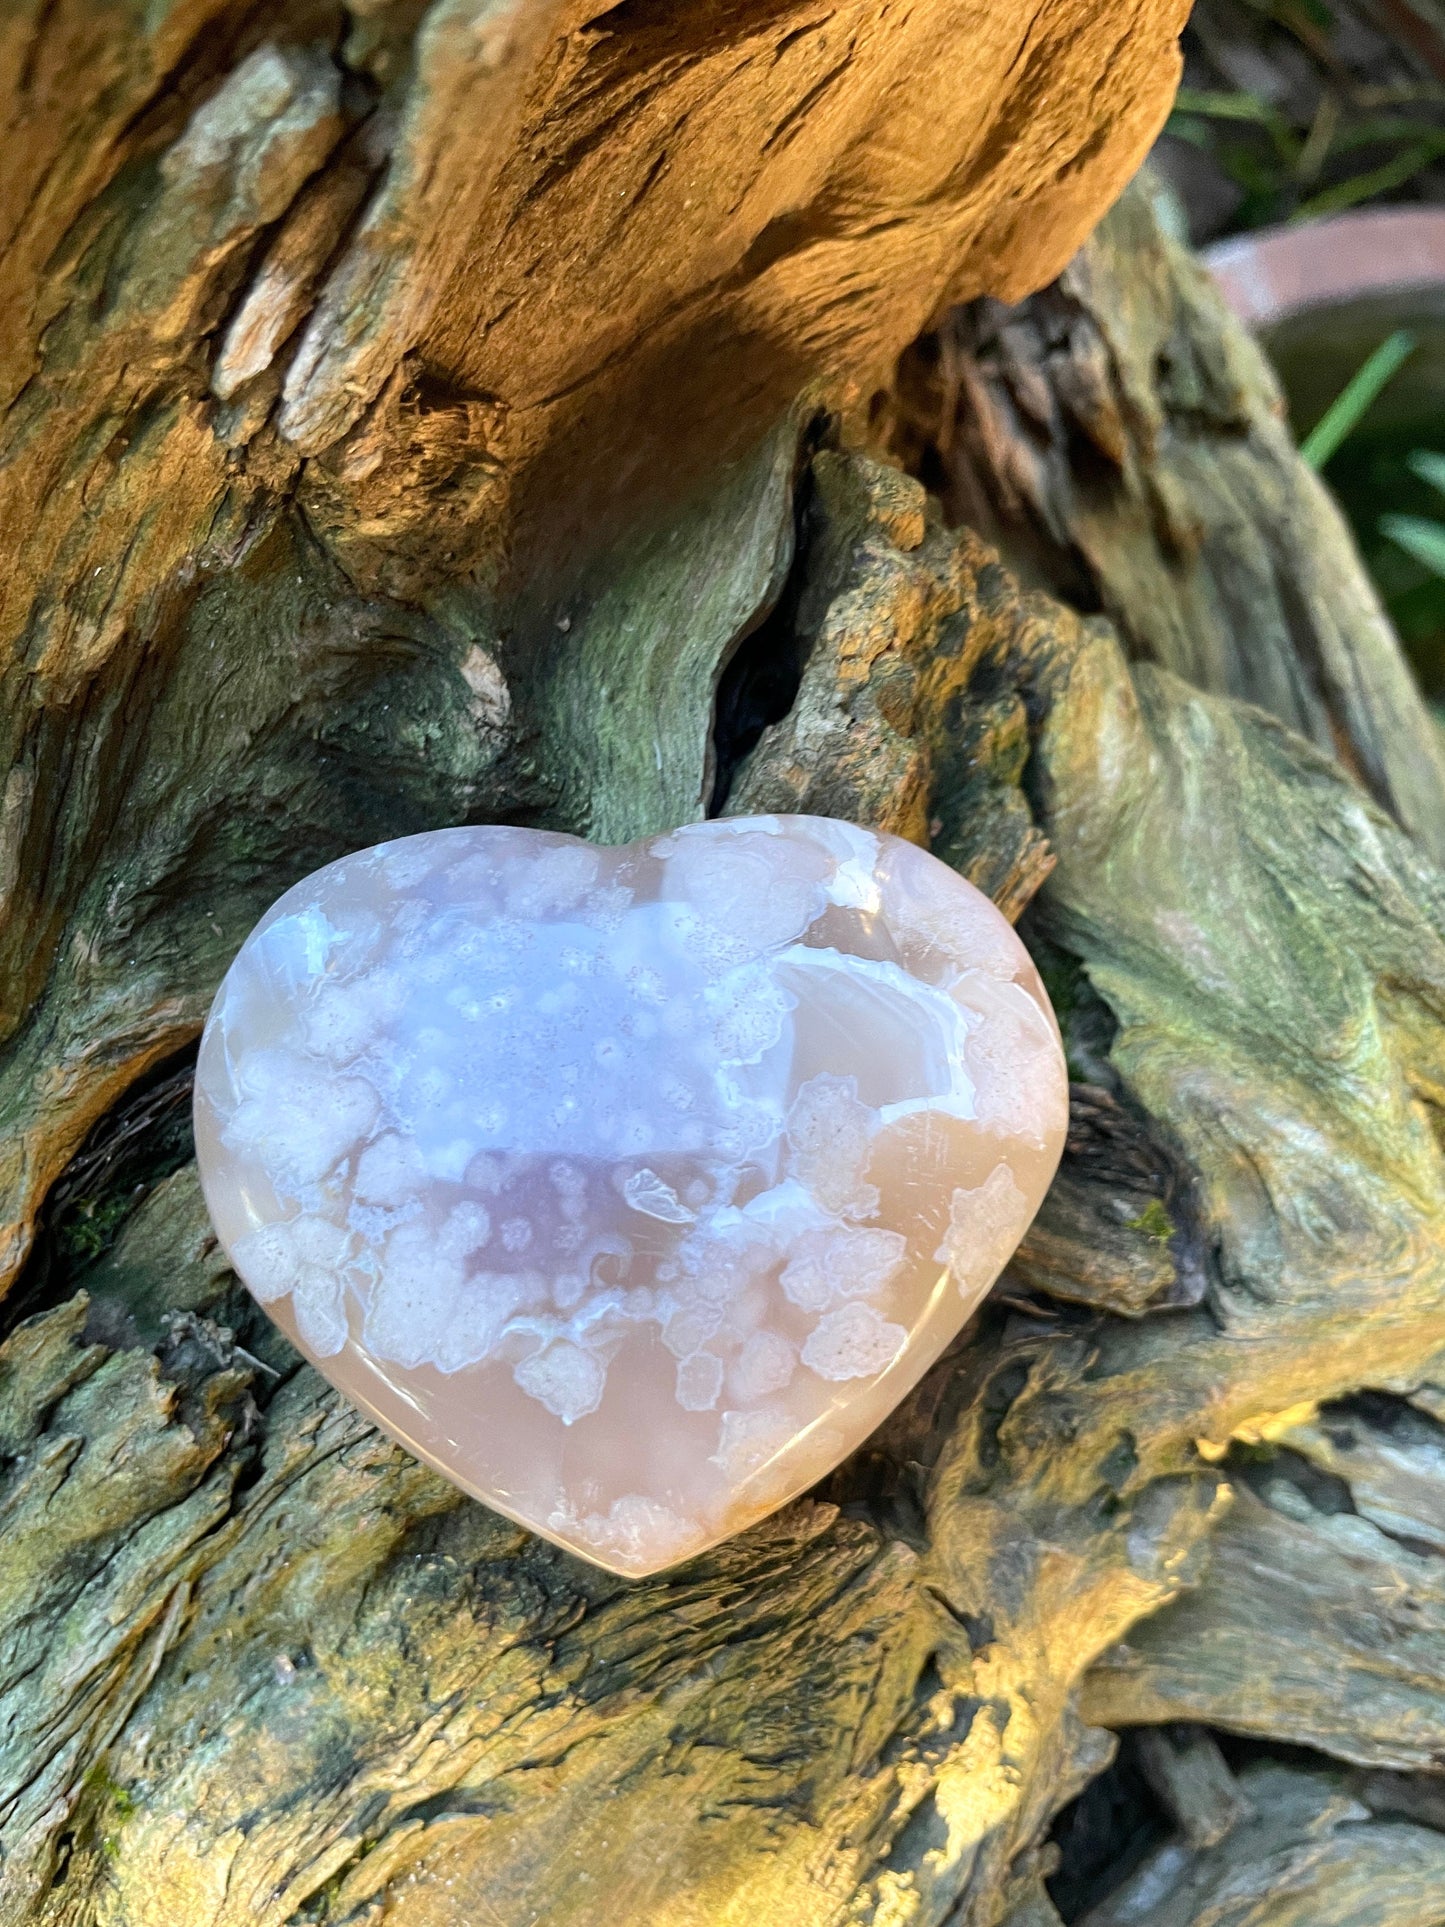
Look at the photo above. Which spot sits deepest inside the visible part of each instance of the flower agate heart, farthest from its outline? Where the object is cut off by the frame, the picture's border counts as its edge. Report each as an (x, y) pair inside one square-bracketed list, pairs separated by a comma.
[(632, 1187)]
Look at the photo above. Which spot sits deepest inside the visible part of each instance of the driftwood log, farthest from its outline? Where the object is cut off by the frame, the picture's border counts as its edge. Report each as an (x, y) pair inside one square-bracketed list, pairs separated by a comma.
[(495, 413)]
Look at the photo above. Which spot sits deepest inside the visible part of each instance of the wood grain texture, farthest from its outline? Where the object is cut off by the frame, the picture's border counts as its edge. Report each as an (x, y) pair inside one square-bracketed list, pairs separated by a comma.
[(1123, 439), (344, 355), (454, 414), (1310, 1855), (1321, 1620), (332, 1688)]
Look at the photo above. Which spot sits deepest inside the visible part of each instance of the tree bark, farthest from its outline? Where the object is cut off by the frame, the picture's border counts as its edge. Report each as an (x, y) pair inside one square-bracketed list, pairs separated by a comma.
[(463, 418)]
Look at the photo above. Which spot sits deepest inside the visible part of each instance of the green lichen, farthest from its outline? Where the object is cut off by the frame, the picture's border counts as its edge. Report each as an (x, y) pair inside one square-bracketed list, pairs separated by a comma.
[(1155, 1222), (114, 1805), (91, 1227)]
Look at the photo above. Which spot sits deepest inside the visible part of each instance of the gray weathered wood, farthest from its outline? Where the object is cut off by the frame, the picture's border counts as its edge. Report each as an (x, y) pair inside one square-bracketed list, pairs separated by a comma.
[(1124, 440), (1311, 1857)]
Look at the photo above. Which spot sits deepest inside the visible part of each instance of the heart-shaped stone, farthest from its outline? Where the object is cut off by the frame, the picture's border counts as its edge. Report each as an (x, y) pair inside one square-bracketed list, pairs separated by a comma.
[(631, 1187)]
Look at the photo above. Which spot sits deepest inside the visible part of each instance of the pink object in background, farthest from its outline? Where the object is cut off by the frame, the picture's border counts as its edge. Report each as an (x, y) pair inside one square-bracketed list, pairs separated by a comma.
[(1276, 273)]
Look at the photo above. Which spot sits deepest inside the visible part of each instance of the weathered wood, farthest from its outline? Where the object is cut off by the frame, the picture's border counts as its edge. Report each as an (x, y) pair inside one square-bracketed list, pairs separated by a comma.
[(1187, 1771), (1312, 1856), (373, 1696), (1322, 1620), (258, 1666), (344, 358), (1123, 440)]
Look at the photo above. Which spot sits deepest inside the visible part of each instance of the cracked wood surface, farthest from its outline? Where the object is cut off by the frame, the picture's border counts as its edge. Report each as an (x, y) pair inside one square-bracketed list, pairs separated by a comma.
[(346, 359), (1123, 439), (323, 332), (331, 1688)]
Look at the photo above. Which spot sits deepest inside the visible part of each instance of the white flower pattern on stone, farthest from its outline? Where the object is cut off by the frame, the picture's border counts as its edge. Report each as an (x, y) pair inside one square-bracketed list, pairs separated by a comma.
[(984, 1227), (853, 1342)]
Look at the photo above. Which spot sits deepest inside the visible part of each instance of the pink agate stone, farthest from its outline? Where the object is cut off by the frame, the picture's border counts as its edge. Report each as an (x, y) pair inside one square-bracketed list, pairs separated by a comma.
[(630, 1188)]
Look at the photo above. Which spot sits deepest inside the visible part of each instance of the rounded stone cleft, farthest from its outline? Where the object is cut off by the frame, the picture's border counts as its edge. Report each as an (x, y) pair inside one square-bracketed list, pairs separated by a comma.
[(630, 1188)]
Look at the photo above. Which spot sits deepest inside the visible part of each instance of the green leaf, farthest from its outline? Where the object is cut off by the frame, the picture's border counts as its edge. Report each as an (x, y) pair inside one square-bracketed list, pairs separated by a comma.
[(1417, 536), (1344, 413), (1430, 467), (1221, 106), (1363, 187), (1380, 130), (1241, 107)]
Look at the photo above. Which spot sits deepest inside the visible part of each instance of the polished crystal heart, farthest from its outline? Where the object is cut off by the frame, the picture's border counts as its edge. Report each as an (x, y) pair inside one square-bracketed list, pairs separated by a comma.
[(631, 1187)]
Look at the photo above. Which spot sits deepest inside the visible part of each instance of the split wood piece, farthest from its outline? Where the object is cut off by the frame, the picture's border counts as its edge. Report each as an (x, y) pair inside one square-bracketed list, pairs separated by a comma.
[(1123, 439)]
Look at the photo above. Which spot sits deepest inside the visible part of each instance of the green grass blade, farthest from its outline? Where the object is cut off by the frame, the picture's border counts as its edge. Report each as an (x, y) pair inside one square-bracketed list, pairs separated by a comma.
[(1248, 108), (1343, 415), (1362, 187), (1221, 106), (1430, 467), (1385, 129), (1417, 536)]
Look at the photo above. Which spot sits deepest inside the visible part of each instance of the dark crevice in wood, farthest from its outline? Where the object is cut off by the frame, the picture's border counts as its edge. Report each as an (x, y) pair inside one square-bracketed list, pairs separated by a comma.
[(1260, 1466), (760, 680), (1125, 1815), (1105, 1833), (129, 1151)]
